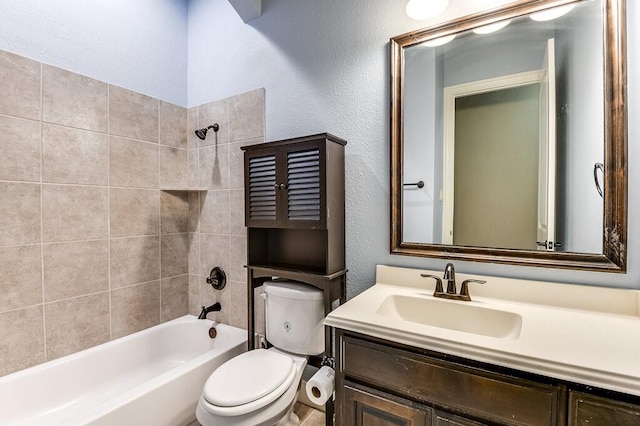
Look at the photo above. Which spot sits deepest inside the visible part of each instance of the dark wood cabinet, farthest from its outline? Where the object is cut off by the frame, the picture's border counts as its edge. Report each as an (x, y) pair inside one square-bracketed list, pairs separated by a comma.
[(294, 213), (366, 407), (591, 410), (375, 376), (294, 204)]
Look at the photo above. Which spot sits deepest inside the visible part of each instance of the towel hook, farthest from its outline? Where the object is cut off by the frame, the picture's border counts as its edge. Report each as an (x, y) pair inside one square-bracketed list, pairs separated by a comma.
[(597, 166)]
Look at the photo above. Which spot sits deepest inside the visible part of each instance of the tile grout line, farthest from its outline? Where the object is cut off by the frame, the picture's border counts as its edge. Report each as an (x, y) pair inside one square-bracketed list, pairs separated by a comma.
[(42, 271), (159, 215), (109, 206)]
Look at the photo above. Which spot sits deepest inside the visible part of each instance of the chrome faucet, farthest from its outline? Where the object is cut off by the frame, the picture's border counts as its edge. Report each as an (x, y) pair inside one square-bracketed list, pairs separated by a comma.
[(450, 277)]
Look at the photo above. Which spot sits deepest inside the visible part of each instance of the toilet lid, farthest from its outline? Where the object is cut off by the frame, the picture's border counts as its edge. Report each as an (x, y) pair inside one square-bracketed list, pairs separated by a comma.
[(249, 377)]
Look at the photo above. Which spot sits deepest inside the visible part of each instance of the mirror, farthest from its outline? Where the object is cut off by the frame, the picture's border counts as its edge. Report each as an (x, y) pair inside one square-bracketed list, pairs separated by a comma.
[(510, 146)]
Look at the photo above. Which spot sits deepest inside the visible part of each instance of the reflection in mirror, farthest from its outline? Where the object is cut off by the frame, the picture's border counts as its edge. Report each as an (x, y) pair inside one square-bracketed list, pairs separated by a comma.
[(501, 117)]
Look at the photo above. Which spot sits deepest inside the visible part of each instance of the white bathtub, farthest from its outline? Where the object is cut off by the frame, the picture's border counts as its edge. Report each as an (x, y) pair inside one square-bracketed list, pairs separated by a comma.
[(153, 377)]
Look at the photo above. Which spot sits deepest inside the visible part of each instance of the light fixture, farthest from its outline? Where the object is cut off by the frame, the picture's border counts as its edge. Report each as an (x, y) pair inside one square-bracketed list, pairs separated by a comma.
[(491, 28), (439, 41), (425, 9), (553, 13)]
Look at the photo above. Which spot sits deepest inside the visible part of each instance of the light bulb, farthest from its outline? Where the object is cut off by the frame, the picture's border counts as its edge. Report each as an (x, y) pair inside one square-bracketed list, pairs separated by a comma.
[(425, 9), (549, 14), (491, 28)]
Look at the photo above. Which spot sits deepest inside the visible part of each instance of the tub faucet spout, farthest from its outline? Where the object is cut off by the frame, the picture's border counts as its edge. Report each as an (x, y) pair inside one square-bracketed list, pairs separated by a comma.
[(213, 308)]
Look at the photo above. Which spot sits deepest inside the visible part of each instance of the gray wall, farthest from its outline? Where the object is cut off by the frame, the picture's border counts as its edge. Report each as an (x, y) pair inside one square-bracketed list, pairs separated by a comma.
[(325, 67)]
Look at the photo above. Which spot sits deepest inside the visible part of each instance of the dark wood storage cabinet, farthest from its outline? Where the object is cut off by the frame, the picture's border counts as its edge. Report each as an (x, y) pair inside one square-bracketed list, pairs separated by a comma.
[(383, 383), (294, 213)]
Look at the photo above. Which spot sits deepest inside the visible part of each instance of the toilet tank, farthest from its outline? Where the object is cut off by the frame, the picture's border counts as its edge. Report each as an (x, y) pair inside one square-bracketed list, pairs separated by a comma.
[(294, 314)]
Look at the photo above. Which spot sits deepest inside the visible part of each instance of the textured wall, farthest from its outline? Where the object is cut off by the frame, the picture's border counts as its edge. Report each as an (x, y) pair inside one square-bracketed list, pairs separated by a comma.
[(140, 45), (325, 67), (90, 248)]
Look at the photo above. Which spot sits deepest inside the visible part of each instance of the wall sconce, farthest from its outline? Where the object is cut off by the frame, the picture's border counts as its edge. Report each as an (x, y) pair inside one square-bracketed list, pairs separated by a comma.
[(425, 9)]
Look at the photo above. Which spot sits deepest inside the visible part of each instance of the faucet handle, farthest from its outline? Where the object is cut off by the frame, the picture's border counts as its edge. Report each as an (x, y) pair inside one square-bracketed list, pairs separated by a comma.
[(439, 288), (464, 291)]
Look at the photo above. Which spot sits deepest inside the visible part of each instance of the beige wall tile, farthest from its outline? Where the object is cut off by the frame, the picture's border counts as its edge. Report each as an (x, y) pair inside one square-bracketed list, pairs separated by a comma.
[(134, 212), (132, 114), (246, 116), (214, 213), (134, 260), (193, 167), (22, 339), (74, 156), (134, 308), (236, 165), (194, 211), (173, 125), (194, 294), (194, 253), (73, 100), (214, 167), (236, 212), (20, 277), (19, 213), (173, 167), (192, 126), (260, 326), (19, 149), (76, 324), (175, 297), (19, 86), (174, 255), (75, 269), (72, 213), (238, 304), (237, 258), (133, 163), (215, 112), (174, 211), (214, 251)]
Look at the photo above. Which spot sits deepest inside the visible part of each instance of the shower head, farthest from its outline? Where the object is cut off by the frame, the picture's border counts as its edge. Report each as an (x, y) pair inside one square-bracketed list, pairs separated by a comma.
[(202, 133)]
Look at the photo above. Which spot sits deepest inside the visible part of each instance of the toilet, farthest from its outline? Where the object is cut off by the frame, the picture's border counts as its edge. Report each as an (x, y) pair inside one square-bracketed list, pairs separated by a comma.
[(260, 387)]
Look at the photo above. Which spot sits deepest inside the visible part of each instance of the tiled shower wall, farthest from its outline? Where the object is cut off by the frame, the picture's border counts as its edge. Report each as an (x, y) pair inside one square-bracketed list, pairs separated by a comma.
[(216, 222), (91, 247)]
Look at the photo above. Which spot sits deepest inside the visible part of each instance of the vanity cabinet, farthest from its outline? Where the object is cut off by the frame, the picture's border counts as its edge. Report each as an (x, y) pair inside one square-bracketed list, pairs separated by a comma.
[(591, 410), (383, 383)]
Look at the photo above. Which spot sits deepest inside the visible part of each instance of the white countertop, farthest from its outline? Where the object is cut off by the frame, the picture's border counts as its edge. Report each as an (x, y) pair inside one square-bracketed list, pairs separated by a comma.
[(588, 335)]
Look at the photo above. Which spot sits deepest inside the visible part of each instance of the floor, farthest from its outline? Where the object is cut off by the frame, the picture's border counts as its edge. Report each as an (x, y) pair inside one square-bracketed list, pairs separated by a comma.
[(308, 416)]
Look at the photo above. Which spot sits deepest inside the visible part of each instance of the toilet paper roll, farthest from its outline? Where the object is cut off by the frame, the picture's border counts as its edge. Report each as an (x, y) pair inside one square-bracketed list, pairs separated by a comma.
[(320, 386)]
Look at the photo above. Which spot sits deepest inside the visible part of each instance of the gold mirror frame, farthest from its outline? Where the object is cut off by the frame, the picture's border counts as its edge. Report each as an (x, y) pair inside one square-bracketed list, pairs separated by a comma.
[(614, 254)]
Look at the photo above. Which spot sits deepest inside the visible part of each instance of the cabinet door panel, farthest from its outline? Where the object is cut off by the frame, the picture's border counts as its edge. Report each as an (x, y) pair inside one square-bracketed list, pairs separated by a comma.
[(303, 186), (262, 191), (590, 410), (364, 407)]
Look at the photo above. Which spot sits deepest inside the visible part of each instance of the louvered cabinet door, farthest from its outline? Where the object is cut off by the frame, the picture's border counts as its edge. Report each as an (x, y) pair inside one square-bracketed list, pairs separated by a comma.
[(262, 190), (304, 189)]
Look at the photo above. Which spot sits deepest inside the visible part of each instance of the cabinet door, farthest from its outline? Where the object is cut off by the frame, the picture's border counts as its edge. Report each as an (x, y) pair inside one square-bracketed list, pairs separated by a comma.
[(440, 418), (590, 410), (305, 194), (261, 189), (284, 186), (366, 407)]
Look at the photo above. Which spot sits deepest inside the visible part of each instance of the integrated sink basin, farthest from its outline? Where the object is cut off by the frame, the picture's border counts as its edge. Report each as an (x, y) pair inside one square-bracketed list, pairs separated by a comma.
[(452, 315)]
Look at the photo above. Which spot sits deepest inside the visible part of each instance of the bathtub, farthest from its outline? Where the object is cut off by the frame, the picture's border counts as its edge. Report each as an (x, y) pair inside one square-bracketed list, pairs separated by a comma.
[(153, 377)]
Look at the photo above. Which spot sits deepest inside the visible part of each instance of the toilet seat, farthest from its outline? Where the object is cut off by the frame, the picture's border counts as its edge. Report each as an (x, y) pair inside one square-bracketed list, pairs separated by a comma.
[(248, 382)]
